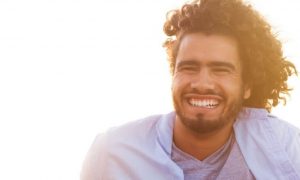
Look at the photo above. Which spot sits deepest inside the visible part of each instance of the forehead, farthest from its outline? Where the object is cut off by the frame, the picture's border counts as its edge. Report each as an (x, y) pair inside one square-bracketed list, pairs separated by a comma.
[(207, 48)]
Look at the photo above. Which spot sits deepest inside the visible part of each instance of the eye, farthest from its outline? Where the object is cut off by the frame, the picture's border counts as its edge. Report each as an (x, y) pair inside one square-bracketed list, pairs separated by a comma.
[(188, 68), (222, 70)]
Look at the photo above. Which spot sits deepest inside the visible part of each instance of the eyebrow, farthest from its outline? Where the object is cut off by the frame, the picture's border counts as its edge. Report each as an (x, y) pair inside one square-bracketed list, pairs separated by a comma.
[(188, 62)]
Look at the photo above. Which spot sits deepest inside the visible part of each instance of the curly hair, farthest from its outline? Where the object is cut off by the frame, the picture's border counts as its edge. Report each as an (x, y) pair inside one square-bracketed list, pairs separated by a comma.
[(264, 67)]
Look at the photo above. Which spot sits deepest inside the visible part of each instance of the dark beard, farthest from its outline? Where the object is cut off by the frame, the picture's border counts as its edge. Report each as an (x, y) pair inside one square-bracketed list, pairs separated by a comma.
[(201, 125)]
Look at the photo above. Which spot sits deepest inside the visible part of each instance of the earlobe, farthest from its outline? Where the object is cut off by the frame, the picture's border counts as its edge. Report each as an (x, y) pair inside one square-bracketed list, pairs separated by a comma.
[(247, 93)]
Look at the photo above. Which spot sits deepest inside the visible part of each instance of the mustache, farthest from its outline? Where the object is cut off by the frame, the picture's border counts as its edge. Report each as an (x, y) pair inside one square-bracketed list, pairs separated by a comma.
[(206, 92)]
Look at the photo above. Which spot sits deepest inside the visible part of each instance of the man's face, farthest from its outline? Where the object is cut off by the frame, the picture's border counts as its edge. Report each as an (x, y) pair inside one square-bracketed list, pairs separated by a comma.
[(207, 88)]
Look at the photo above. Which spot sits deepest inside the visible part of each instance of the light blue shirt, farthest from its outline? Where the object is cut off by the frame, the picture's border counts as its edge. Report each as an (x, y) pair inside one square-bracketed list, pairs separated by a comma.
[(141, 150)]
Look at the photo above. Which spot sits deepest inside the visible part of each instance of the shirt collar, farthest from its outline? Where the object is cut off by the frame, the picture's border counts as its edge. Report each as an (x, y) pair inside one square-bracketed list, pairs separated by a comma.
[(166, 123), (165, 131)]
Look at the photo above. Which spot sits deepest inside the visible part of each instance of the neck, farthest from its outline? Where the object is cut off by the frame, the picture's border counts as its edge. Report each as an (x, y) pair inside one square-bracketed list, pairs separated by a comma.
[(200, 145)]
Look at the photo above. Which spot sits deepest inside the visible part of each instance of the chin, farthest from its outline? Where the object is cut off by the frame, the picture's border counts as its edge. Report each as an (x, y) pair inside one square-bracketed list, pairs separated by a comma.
[(201, 124)]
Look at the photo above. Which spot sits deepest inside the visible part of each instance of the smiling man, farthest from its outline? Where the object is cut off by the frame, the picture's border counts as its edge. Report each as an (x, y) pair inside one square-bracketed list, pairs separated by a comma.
[(208, 92), (228, 72)]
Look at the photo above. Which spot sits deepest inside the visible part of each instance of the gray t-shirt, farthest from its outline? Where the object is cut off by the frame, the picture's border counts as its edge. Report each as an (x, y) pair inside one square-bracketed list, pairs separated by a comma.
[(226, 163)]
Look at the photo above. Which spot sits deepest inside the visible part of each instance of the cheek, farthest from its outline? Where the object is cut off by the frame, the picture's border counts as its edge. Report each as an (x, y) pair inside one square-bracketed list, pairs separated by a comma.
[(180, 84), (175, 86), (180, 80), (177, 81), (232, 87)]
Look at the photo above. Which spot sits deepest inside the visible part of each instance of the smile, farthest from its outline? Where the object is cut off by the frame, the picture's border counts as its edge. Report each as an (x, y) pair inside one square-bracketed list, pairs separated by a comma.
[(204, 103)]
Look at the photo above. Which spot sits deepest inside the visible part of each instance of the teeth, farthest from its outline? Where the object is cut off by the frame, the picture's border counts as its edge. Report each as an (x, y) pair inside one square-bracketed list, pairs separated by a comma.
[(207, 103)]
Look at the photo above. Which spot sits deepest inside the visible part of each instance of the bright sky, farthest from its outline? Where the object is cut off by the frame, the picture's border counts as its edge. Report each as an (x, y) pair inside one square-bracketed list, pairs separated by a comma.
[(70, 69)]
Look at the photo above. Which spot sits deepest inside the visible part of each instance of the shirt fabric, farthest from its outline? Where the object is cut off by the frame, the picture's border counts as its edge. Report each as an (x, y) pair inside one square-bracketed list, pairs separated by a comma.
[(235, 167), (142, 149), (224, 164), (209, 168)]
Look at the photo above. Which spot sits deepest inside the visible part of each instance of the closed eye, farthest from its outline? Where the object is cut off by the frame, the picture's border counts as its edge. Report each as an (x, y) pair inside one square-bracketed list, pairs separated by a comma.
[(187, 66), (222, 69)]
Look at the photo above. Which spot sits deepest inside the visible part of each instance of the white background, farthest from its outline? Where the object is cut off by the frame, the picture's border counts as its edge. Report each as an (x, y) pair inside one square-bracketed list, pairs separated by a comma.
[(70, 69)]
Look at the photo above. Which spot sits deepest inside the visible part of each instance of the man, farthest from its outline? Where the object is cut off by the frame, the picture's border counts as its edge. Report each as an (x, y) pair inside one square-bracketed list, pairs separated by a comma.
[(228, 72)]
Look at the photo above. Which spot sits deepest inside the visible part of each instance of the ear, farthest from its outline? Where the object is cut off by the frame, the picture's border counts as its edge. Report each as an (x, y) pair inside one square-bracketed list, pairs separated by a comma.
[(247, 92)]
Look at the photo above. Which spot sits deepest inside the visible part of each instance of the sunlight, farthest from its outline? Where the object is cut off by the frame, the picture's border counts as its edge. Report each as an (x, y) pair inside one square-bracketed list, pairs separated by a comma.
[(72, 69)]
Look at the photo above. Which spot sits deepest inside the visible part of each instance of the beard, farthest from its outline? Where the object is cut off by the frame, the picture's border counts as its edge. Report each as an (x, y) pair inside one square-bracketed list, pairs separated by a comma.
[(200, 124)]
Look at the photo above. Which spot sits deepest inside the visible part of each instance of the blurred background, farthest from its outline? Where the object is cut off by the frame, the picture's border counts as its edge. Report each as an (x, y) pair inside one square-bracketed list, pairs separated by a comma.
[(70, 69)]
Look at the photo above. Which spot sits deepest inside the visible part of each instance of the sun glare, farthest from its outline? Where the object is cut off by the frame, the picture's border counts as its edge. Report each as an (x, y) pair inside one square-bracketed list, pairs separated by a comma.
[(70, 69)]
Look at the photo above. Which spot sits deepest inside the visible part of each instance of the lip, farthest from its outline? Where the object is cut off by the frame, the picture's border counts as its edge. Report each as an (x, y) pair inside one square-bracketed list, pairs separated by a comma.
[(201, 109)]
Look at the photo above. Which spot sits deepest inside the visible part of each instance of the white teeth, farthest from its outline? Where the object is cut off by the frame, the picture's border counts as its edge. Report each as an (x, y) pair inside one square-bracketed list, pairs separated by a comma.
[(207, 103)]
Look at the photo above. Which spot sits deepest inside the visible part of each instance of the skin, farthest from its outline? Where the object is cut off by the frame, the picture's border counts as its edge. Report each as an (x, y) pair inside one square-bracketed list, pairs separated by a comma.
[(208, 92)]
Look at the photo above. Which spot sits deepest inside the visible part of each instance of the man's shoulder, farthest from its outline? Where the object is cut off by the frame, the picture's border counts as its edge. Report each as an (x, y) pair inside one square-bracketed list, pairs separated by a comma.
[(135, 136), (136, 127), (138, 131), (261, 119), (258, 131), (257, 126), (122, 150)]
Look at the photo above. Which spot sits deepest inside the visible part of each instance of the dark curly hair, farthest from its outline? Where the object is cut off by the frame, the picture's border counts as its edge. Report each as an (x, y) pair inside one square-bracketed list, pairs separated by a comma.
[(264, 67)]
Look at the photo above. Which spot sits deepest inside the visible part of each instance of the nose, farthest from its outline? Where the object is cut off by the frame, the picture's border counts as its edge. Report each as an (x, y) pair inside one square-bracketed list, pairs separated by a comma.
[(203, 81)]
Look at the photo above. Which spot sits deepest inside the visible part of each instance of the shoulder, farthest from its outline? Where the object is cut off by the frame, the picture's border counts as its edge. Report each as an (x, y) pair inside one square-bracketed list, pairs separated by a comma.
[(254, 118), (284, 129), (289, 137), (133, 132), (256, 130), (115, 139), (134, 140), (260, 122), (140, 128)]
